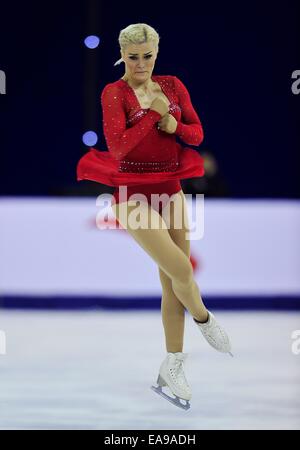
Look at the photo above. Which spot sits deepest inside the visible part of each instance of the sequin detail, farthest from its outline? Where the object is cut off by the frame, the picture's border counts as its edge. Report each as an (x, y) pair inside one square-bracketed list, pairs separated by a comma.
[(148, 166), (129, 129), (132, 148), (173, 108)]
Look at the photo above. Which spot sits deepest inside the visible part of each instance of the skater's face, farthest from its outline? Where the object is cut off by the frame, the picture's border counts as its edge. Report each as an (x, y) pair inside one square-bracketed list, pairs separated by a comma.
[(139, 61)]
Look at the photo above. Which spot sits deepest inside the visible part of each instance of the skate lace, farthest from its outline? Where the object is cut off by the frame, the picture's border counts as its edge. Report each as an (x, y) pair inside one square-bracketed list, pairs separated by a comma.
[(177, 372)]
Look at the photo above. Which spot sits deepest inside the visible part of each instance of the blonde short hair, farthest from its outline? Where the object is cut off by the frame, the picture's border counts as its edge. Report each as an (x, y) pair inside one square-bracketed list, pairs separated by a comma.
[(137, 33)]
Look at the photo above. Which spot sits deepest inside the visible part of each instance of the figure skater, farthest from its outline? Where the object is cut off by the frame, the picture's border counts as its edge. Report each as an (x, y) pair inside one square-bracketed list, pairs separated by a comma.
[(142, 115)]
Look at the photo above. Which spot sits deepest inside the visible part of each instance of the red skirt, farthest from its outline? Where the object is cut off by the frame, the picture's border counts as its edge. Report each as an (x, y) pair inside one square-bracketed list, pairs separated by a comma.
[(100, 166)]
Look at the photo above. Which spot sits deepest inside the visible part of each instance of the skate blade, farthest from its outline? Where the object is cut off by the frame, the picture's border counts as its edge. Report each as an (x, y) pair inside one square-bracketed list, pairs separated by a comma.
[(230, 354), (175, 401)]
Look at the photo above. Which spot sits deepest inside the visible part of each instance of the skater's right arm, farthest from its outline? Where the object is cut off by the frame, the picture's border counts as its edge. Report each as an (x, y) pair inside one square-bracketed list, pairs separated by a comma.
[(119, 139)]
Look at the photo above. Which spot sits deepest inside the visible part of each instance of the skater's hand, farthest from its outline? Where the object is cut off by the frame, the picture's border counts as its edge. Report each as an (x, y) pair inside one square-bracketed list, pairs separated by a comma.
[(160, 105), (167, 123)]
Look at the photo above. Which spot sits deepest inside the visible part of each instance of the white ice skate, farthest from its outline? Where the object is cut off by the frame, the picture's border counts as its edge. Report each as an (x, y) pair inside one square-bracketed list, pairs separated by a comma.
[(171, 374), (215, 334)]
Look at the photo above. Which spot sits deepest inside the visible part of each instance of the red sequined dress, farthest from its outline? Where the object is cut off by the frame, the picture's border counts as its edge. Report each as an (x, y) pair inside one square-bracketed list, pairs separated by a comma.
[(140, 156)]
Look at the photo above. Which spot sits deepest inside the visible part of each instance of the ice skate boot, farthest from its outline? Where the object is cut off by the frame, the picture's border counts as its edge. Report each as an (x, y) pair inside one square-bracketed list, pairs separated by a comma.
[(171, 374), (215, 334)]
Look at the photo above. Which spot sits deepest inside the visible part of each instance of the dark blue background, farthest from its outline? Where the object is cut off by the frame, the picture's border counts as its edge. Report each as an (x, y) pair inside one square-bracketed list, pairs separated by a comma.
[(236, 59)]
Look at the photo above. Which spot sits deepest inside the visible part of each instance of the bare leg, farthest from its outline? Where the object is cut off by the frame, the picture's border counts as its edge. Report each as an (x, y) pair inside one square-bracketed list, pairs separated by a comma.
[(171, 259), (173, 315), (173, 311)]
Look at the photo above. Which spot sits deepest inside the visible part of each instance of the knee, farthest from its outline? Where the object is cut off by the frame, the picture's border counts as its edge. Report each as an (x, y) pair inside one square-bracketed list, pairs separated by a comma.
[(185, 276)]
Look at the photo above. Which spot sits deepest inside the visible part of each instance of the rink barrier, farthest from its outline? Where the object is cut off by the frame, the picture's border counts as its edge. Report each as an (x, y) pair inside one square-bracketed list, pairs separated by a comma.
[(152, 303)]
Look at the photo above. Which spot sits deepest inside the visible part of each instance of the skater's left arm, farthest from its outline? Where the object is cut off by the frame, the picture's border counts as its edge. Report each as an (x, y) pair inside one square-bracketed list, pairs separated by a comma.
[(189, 129)]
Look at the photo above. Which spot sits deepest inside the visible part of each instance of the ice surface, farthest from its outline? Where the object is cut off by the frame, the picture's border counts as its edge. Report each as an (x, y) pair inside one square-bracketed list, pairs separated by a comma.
[(93, 370)]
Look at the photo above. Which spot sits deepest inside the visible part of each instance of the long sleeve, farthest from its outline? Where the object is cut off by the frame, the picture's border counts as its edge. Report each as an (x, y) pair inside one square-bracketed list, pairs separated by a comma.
[(119, 139), (189, 129)]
